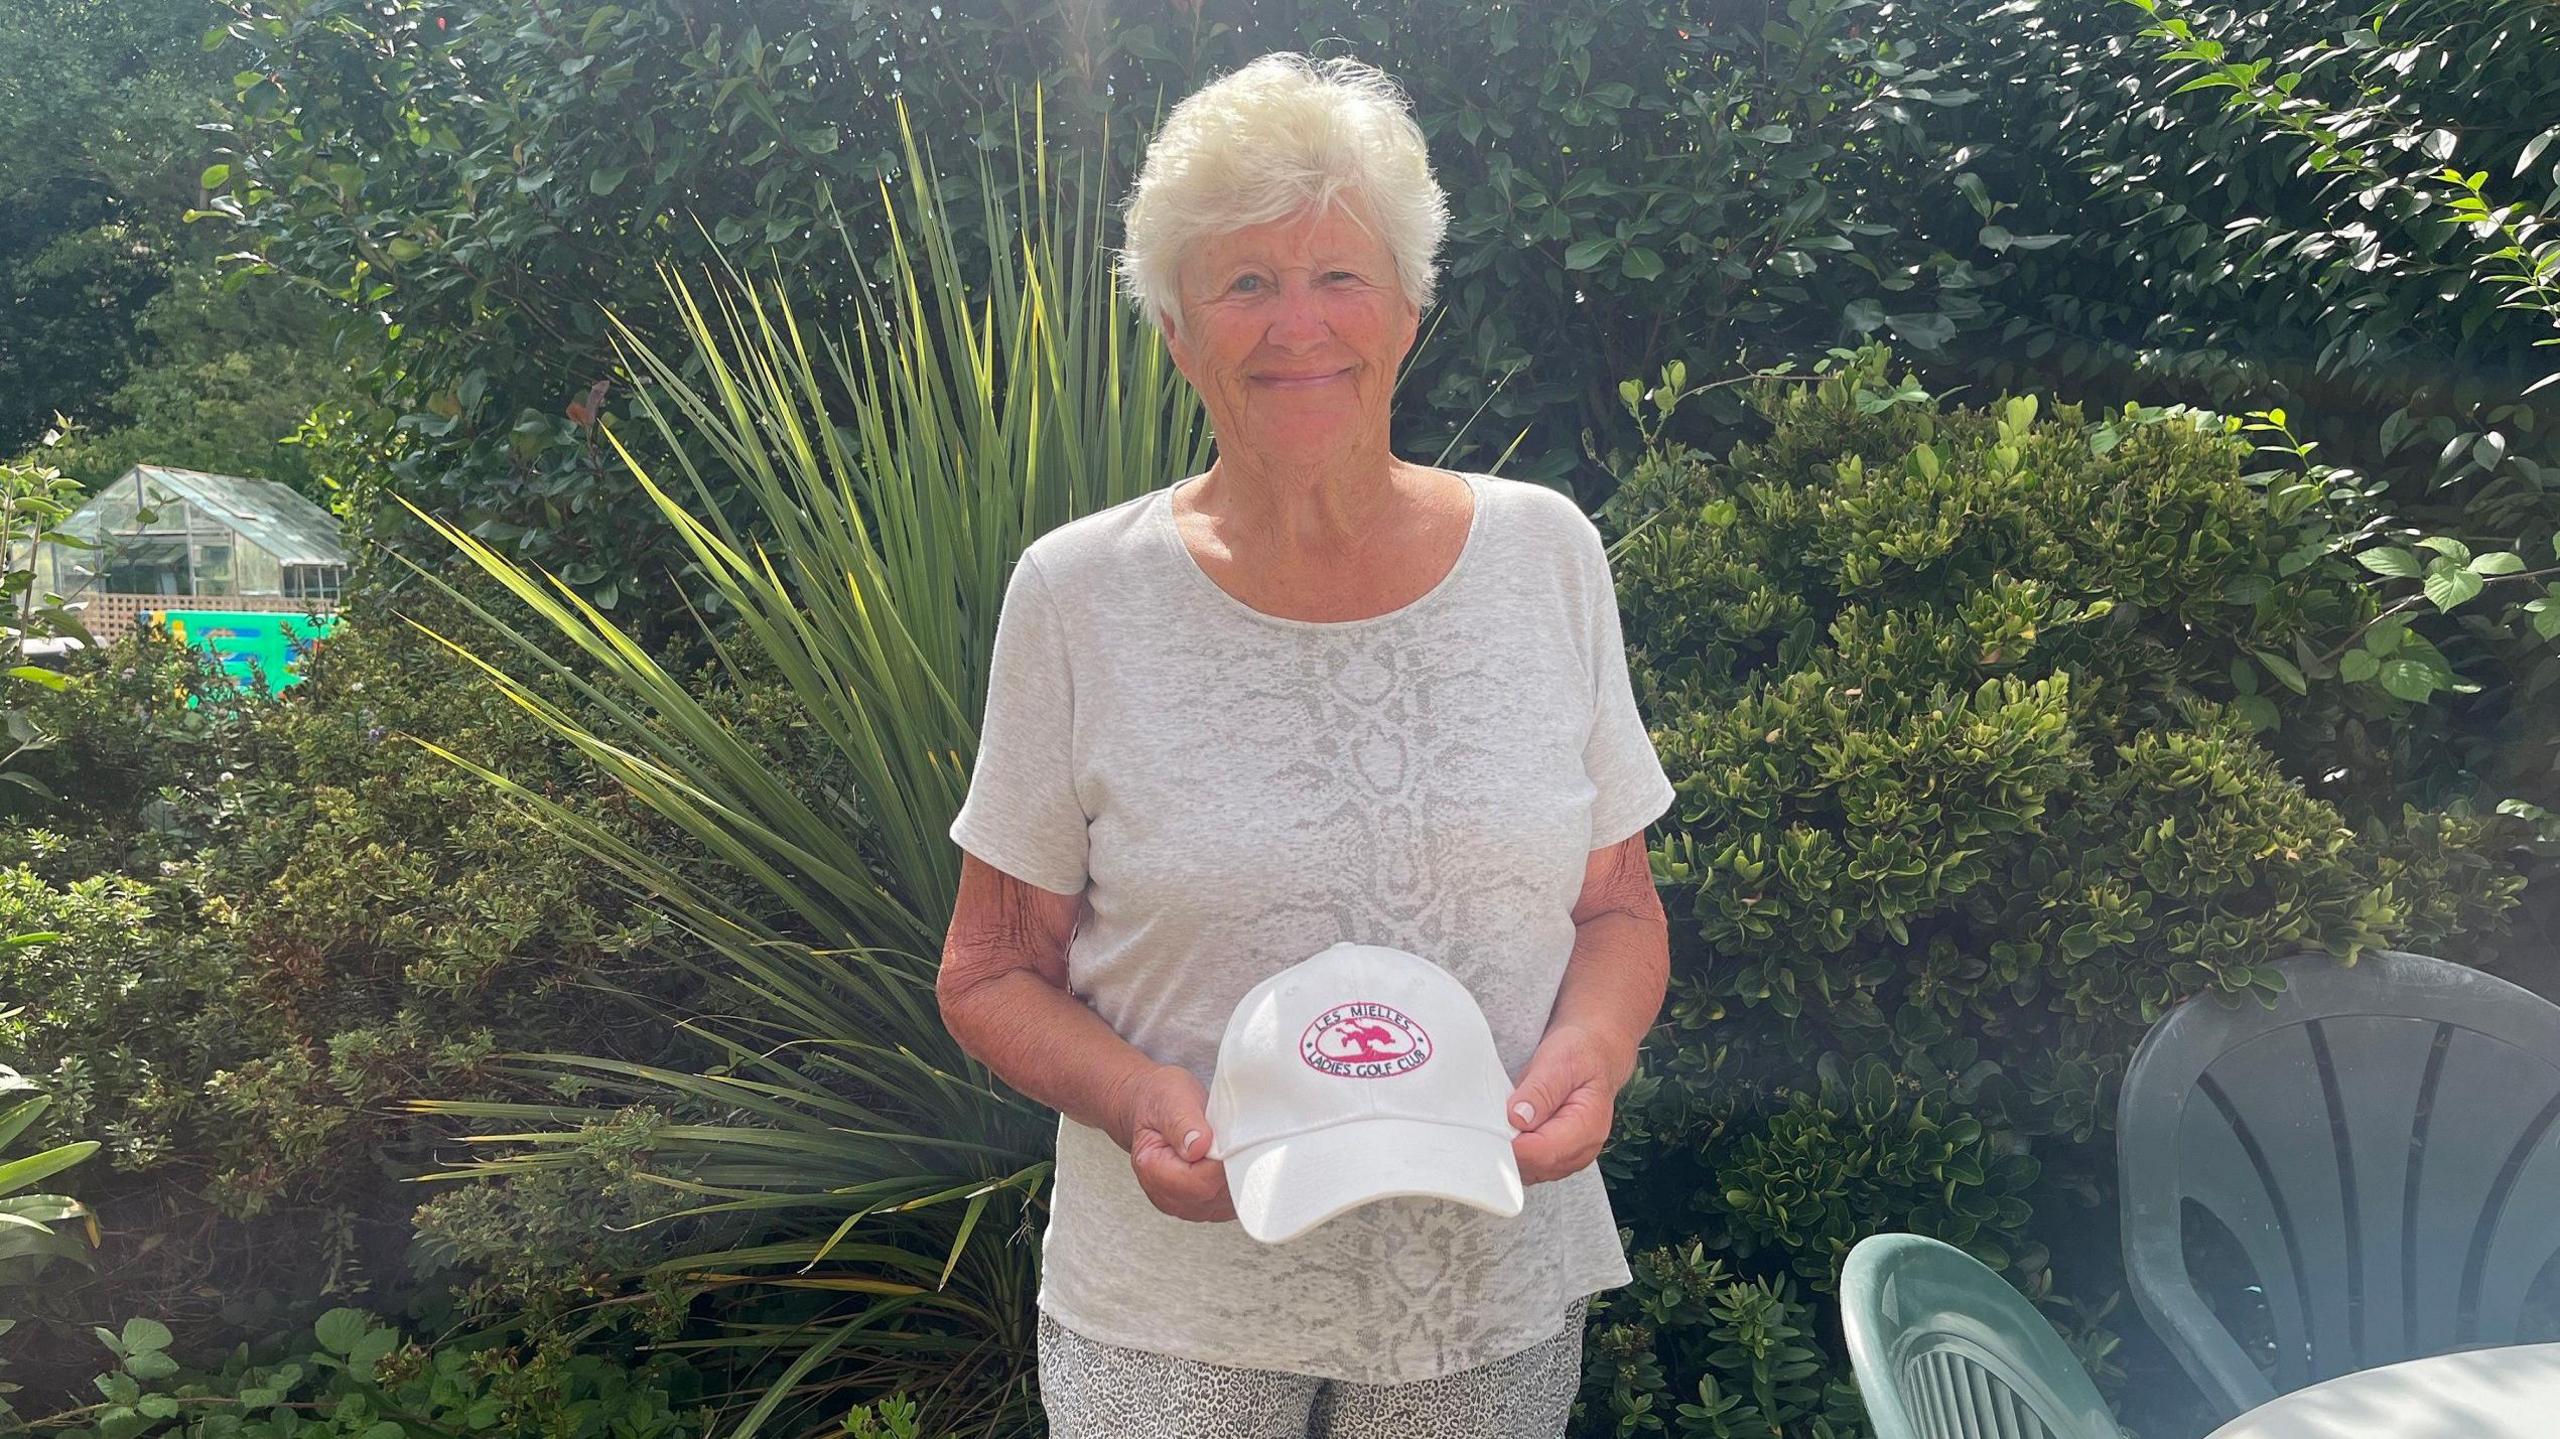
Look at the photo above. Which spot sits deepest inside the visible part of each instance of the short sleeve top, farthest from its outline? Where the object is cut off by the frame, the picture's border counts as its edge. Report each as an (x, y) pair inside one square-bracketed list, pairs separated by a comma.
[(1232, 791)]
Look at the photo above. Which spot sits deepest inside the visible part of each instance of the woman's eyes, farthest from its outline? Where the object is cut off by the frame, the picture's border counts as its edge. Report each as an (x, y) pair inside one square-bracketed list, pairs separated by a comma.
[(1242, 280)]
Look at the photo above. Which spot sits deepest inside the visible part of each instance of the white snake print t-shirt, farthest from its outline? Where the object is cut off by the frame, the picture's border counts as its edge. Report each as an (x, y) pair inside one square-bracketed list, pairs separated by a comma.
[(1232, 791)]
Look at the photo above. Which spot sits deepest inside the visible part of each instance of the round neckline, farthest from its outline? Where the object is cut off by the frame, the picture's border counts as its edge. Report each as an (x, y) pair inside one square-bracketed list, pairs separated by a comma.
[(1476, 520)]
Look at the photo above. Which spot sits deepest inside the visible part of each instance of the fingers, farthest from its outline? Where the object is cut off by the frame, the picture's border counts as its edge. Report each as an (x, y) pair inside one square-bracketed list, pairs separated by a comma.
[(1169, 1149), (1194, 1188), (1568, 1142), (1556, 1073), (1210, 1204), (1561, 1108), (1174, 1107)]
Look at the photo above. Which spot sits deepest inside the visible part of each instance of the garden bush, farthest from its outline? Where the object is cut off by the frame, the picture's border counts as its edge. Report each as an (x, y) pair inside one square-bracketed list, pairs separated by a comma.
[(1966, 801), (1759, 1371), (120, 1012), (350, 1375), (277, 919), (2358, 257), (127, 761)]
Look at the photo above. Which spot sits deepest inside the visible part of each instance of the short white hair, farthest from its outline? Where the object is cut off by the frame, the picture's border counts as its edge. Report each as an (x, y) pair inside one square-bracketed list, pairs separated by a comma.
[(1282, 136)]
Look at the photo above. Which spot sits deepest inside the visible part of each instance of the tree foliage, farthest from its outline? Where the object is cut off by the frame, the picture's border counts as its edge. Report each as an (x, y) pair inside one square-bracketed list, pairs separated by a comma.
[(99, 159), (1707, 181)]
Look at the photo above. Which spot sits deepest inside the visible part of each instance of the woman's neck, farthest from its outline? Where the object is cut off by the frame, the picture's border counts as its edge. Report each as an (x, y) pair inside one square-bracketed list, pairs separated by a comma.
[(1290, 511)]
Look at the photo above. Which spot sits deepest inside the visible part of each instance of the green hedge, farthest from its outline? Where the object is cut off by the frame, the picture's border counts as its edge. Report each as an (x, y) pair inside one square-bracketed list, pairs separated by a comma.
[(2017, 196), (1963, 807), (1628, 181)]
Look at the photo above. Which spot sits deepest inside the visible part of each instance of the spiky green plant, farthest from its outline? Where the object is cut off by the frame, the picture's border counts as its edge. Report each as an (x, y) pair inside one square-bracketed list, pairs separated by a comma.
[(892, 1183)]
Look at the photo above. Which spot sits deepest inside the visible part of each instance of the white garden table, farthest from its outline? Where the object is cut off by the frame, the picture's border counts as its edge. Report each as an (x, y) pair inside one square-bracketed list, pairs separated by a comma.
[(2505, 1393)]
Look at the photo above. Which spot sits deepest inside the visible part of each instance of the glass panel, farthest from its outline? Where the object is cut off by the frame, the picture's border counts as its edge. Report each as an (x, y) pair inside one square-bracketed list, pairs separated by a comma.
[(144, 566), (114, 510), (170, 515), (254, 570), (213, 569), (322, 582), (68, 570)]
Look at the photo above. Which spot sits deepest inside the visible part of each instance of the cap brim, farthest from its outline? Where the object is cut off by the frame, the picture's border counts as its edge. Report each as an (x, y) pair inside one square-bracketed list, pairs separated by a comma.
[(1286, 1187)]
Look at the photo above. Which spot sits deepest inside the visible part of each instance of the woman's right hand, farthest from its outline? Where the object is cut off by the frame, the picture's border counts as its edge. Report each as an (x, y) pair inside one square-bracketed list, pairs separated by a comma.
[(1164, 1124)]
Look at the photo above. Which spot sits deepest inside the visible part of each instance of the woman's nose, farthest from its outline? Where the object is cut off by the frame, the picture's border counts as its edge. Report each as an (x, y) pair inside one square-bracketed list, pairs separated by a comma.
[(1300, 316)]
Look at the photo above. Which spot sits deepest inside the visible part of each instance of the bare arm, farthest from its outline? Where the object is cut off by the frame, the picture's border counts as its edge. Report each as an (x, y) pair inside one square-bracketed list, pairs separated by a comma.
[(1612, 992), (1621, 965), (1003, 994)]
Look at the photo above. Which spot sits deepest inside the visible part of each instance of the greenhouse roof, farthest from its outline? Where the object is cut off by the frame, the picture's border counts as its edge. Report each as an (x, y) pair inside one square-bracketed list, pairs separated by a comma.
[(278, 520)]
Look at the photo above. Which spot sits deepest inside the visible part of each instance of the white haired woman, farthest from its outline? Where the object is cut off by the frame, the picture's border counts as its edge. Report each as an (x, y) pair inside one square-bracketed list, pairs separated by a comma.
[(1315, 694)]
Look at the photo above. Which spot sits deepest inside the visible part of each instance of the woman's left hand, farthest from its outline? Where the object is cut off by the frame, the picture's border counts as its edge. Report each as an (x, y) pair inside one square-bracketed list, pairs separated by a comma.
[(1563, 1104)]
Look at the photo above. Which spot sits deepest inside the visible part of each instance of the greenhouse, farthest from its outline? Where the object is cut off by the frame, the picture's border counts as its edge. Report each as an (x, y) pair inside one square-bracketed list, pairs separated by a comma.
[(184, 535)]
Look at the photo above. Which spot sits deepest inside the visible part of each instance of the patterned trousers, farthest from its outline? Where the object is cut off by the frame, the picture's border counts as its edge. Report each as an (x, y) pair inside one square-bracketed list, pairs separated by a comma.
[(1100, 1391)]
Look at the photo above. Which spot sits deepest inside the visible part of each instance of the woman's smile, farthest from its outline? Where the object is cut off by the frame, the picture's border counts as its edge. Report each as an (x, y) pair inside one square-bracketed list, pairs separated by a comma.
[(1304, 382)]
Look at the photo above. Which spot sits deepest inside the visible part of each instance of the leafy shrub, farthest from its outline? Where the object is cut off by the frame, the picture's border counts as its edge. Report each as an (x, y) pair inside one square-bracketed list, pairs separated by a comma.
[(365, 1378), (273, 920), (1857, 1156), (2260, 279), (1760, 1372), (895, 1417), (406, 921), (138, 740), (557, 1237), (1965, 802), (118, 1011), (2332, 209), (28, 1242)]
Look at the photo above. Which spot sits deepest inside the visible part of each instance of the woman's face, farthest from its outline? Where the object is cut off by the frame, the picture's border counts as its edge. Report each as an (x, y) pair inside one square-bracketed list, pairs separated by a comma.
[(1297, 327)]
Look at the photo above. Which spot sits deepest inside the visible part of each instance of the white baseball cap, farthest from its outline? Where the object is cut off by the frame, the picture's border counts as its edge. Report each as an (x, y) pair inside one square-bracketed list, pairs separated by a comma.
[(1359, 1073)]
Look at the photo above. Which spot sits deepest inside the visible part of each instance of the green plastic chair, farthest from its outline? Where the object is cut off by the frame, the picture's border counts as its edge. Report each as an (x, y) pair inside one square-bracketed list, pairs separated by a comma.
[(2384, 1145), (1946, 1349)]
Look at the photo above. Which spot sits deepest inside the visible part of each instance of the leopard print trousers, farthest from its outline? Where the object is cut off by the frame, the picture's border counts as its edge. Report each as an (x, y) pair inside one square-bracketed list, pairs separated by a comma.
[(1101, 1391)]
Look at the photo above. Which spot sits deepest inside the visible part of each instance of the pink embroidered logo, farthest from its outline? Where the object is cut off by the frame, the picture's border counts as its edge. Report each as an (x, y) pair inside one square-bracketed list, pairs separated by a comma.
[(1364, 1041)]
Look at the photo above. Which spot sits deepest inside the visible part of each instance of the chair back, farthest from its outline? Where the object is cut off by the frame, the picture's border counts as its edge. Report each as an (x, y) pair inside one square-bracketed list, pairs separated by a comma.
[(2383, 1144), (1944, 1348)]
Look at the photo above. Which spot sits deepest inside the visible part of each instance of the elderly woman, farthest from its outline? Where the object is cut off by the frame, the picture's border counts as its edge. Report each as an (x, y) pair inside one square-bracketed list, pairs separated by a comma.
[(1315, 694)]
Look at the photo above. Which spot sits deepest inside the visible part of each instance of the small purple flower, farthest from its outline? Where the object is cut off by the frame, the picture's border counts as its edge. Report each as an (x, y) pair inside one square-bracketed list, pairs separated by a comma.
[(374, 734)]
